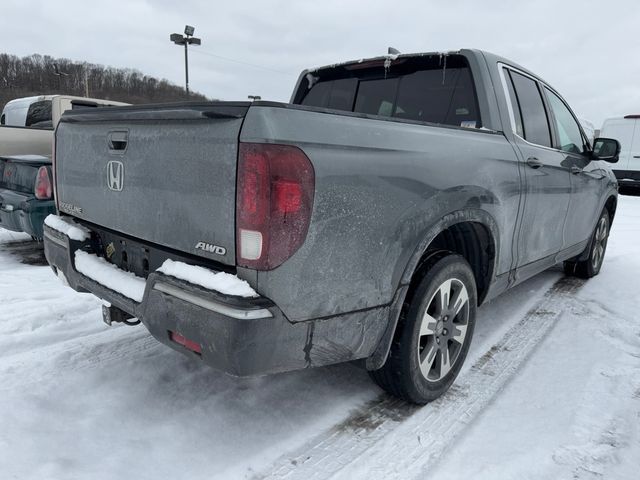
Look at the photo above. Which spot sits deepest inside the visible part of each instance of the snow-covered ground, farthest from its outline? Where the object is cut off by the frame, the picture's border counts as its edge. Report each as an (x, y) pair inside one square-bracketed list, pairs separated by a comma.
[(83, 400)]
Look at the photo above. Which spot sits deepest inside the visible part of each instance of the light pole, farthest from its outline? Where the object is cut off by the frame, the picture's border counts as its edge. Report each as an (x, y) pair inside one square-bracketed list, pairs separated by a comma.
[(59, 73), (186, 40)]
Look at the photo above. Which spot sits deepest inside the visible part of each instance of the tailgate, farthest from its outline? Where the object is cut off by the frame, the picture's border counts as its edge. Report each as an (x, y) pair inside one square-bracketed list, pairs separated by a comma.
[(165, 174)]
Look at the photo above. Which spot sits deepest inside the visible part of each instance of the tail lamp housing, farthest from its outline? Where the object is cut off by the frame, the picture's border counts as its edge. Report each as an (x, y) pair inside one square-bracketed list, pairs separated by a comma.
[(44, 187), (274, 201)]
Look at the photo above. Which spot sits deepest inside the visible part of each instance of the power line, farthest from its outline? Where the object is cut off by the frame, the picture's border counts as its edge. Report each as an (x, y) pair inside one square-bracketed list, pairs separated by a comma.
[(201, 52)]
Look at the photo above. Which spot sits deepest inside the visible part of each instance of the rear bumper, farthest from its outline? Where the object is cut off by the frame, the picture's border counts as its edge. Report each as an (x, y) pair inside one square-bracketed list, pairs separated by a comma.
[(628, 178), (240, 336), (21, 212)]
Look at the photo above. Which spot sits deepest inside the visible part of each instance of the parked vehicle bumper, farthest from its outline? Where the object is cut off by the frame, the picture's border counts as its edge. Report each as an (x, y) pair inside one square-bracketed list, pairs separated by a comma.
[(240, 336), (628, 178), (20, 212)]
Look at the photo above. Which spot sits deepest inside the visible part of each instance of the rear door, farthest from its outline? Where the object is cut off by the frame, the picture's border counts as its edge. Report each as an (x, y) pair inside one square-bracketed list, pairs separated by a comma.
[(547, 183)]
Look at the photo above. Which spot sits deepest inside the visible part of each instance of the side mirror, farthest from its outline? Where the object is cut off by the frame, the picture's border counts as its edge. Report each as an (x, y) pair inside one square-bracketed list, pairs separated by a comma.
[(607, 149)]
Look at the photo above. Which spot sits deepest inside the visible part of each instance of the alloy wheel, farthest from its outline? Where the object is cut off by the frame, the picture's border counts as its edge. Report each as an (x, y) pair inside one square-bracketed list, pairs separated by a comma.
[(443, 329), (599, 243)]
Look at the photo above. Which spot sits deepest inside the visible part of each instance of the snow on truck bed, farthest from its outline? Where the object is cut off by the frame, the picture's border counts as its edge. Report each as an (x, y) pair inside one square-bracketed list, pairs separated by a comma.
[(83, 400)]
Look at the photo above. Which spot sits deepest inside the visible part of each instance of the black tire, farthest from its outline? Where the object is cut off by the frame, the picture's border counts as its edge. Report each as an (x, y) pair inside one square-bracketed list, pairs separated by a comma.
[(590, 266), (415, 340)]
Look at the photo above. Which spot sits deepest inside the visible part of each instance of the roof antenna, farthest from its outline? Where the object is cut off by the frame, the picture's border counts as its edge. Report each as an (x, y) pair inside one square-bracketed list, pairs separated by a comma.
[(393, 51)]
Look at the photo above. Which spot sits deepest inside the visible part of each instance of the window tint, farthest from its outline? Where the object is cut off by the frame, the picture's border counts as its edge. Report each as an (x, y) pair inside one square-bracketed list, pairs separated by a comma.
[(342, 93), (427, 90), (39, 115), (534, 116), (438, 97), (569, 134), (377, 97), (318, 96), (514, 103), (337, 94)]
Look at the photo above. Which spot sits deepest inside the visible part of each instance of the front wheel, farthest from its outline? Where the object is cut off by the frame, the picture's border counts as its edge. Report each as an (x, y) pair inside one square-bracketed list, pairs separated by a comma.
[(434, 333), (590, 266)]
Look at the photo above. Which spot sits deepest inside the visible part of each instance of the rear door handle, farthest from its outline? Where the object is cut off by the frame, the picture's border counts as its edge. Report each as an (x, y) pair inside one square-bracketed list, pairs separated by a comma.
[(636, 156), (534, 163)]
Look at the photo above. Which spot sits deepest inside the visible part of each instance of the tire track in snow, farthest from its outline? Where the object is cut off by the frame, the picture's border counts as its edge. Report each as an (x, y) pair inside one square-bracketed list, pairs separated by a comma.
[(392, 440), (96, 350)]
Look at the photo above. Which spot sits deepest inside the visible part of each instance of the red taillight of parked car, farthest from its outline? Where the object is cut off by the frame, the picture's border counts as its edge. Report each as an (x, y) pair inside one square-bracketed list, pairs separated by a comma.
[(43, 190), (274, 202)]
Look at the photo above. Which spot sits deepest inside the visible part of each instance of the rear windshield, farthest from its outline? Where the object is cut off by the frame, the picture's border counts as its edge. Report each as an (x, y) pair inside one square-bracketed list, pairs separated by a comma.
[(39, 115), (435, 89)]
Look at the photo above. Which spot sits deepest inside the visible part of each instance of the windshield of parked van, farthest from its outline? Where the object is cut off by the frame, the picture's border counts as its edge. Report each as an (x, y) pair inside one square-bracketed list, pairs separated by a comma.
[(433, 88)]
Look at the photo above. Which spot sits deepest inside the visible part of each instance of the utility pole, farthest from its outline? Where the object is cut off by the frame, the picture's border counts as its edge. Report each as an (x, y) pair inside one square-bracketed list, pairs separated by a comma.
[(59, 73), (186, 40), (86, 81)]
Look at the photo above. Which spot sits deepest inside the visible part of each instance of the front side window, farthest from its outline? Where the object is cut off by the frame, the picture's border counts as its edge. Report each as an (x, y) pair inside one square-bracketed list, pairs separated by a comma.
[(569, 134), (534, 115)]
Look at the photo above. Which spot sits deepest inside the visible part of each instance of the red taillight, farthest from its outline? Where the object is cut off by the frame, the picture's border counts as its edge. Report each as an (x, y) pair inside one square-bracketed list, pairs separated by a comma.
[(43, 190), (185, 342), (274, 201)]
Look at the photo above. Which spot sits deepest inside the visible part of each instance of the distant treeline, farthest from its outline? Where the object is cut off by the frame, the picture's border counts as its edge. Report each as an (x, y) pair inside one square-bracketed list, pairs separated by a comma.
[(44, 75)]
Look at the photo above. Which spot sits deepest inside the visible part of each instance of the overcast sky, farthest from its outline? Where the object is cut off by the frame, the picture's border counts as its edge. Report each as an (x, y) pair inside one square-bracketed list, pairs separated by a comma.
[(588, 50)]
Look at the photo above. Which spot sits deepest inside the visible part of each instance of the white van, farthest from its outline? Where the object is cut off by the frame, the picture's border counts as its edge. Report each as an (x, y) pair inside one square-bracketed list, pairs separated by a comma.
[(627, 131)]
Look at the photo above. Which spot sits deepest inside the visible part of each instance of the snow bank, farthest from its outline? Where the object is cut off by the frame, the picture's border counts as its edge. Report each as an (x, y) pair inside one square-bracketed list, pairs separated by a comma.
[(68, 227), (109, 275), (221, 281)]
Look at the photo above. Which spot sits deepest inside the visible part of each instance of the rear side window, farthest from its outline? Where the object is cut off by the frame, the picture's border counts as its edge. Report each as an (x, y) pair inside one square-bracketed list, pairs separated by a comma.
[(534, 116), (422, 89), (39, 115)]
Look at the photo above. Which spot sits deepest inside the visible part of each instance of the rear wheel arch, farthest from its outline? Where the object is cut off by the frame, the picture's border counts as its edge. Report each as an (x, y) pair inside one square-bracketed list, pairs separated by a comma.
[(470, 233), (473, 234)]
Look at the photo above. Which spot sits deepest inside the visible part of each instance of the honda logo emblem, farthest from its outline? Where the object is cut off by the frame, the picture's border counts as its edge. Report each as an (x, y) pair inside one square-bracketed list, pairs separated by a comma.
[(115, 175)]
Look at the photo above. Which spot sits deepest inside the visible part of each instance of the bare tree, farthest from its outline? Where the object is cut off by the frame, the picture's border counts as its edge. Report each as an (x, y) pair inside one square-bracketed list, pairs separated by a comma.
[(44, 75)]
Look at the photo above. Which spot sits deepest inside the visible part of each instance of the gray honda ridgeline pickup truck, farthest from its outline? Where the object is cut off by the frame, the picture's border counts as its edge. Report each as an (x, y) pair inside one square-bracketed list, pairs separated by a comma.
[(366, 219)]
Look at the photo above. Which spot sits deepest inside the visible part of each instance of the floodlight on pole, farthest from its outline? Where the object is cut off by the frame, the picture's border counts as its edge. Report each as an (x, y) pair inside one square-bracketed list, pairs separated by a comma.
[(186, 40)]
